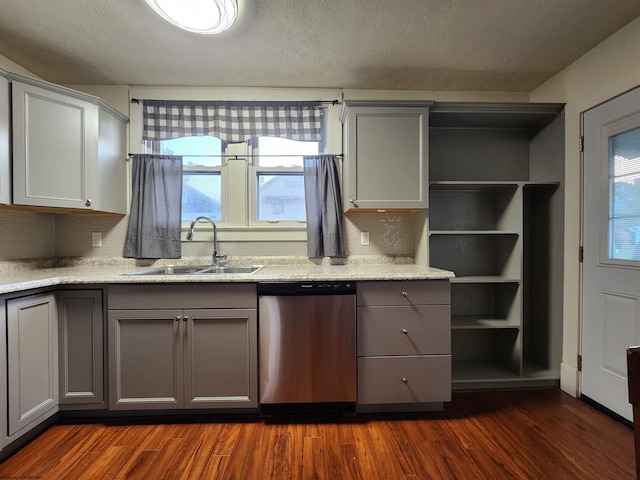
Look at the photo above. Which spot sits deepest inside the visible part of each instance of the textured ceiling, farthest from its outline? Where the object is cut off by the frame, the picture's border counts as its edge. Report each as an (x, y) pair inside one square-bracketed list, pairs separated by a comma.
[(499, 45)]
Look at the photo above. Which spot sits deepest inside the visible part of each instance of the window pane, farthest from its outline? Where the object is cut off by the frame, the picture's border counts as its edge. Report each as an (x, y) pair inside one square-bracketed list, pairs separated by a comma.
[(624, 195), (281, 197), (201, 195), (196, 151), (282, 152)]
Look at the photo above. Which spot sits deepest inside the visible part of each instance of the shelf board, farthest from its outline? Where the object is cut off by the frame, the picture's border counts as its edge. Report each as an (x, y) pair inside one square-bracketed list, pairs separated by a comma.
[(480, 322), (487, 185), (532, 371), (485, 279), (473, 232), (472, 371)]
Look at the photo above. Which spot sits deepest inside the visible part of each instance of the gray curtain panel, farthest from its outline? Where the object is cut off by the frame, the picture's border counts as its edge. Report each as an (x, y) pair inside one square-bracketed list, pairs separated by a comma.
[(156, 208), (325, 231), (231, 122)]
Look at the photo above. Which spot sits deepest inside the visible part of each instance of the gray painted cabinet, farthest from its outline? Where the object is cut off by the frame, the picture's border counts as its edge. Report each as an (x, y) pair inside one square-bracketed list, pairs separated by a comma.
[(5, 136), (385, 155), (167, 358), (32, 361), (404, 343), (81, 347), (496, 221), (73, 138), (4, 418)]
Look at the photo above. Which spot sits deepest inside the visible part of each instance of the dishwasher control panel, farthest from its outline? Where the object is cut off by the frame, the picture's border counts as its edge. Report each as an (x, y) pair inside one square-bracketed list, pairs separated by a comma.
[(307, 288)]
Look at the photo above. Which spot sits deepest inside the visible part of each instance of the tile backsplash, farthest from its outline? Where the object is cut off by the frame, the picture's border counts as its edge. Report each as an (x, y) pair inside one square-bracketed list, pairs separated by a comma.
[(26, 235)]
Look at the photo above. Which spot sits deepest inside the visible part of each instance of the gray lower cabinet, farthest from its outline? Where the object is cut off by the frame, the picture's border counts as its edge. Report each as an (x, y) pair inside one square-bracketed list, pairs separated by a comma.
[(32, 361), (4, 434), (404, 343), (175, 358), (81, 346)]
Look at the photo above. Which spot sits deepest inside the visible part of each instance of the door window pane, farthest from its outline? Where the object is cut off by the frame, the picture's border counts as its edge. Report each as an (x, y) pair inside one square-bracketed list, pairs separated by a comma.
[(624, 195), (281, 197)]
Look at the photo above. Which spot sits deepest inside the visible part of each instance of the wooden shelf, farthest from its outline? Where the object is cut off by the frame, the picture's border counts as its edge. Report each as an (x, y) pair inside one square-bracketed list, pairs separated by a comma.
[(473, 232), (482, 322), (481, 371), (485, 279)]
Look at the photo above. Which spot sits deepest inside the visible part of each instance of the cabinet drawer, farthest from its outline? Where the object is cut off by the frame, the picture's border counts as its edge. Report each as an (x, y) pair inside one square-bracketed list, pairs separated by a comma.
[(424, 329), (194, 295), (411, 379), (430, 292)]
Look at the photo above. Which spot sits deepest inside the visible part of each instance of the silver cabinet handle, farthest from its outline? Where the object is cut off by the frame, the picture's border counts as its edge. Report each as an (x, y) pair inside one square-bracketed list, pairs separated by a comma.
[(405, 380), (353, 202), (405, 294), (405, 331), (178, 318), (88, 202)]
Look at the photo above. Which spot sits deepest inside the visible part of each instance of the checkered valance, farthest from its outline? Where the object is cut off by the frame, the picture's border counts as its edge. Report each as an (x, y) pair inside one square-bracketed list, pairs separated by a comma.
[(232, 122)]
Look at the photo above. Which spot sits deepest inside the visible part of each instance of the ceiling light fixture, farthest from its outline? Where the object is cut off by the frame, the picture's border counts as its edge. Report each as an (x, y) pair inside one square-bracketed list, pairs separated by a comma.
[(199, 16)]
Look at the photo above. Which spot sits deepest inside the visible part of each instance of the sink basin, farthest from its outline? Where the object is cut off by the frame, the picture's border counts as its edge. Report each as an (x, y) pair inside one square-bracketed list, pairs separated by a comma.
[(198, 270), (223, 270)]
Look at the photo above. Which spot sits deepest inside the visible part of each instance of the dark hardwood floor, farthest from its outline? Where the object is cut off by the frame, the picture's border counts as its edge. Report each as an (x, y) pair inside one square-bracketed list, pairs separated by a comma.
[(524, 434)]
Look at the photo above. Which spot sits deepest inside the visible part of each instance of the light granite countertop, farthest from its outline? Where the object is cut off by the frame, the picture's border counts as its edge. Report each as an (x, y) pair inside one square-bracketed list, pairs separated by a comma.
[(20, 280)]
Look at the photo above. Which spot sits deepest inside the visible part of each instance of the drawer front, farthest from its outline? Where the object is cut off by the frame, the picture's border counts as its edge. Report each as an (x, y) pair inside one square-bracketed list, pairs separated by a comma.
[(412, 379), (405, 293), (194, 295), (420, 330)]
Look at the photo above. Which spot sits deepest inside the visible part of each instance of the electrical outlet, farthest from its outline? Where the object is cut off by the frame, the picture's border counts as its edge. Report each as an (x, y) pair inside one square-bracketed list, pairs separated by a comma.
[(364, 238), (96, 239)]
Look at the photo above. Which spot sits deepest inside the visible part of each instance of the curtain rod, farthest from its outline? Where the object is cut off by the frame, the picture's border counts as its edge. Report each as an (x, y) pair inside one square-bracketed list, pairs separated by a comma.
[(322, 102), (240, 157)]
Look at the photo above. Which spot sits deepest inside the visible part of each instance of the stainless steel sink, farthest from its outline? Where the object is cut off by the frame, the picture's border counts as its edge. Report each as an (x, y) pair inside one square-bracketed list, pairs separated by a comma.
[(230, 269), (198, 270)]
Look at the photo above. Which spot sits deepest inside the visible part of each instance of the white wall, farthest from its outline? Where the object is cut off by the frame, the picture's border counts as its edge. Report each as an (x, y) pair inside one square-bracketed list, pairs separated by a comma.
[(608, 70)]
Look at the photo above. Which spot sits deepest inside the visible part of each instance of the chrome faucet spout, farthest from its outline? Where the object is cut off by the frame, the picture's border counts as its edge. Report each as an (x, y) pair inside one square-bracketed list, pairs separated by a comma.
[(216, 256)]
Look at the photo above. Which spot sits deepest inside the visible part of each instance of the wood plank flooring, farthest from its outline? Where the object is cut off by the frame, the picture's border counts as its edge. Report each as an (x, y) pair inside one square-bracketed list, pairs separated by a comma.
[(523, 434)]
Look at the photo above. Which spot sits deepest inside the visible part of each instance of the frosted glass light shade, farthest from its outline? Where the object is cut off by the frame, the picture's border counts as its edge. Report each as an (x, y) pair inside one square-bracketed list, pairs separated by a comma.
[(199, 16)]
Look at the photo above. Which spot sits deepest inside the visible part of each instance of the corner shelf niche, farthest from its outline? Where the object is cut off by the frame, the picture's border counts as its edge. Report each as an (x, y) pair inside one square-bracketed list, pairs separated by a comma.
[(494, 212)]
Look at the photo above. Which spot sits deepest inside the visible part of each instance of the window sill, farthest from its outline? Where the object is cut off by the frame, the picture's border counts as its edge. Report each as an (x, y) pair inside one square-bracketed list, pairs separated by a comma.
[(255, 233)]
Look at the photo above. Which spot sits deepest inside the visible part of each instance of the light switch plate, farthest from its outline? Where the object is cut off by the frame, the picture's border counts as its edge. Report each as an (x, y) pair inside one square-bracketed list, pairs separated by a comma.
[(96, 239), (364, 238)]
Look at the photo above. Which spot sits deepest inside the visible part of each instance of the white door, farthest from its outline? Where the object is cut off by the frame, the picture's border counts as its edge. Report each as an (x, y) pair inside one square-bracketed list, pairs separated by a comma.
[(611, 269)]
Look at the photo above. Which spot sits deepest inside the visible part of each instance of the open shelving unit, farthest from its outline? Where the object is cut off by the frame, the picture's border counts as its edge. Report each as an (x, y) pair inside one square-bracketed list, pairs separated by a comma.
[(495, 220)]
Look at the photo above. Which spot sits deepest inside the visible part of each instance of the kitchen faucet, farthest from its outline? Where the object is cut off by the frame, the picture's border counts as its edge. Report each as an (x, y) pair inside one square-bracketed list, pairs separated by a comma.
[(215, 257)]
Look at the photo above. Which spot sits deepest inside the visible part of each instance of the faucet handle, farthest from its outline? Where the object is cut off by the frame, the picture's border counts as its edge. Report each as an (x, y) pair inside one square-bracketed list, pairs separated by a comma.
[(220, 256)]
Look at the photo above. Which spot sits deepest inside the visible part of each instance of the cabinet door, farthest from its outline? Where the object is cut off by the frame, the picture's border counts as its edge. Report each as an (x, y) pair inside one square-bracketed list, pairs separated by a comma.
[(220, 358), (386, 163), (54, 148), (32, 344), (5, 156), (81, 347), (4, 439), (145, 359)]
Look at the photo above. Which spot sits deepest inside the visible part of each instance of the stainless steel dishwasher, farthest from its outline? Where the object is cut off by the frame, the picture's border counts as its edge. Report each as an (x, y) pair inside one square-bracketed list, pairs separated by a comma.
[(307, 341)]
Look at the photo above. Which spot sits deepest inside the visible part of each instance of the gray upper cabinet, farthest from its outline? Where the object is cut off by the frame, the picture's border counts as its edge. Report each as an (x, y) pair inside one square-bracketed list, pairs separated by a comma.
[(5, 132), (70, 137), (385, 155), (32, 358)]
